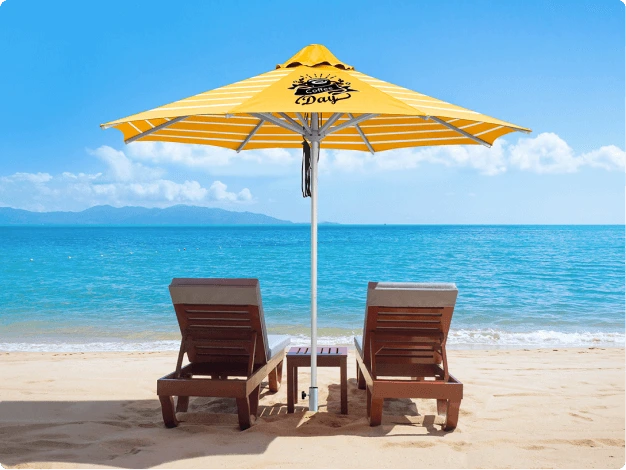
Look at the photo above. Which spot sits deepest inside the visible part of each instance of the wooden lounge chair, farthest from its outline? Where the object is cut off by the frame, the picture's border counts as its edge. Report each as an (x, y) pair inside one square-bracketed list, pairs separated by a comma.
[(224, 337), (402, 353)]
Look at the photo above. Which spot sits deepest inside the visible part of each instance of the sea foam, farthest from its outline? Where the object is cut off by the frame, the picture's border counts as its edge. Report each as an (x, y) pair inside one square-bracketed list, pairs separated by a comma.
[(457, 339)]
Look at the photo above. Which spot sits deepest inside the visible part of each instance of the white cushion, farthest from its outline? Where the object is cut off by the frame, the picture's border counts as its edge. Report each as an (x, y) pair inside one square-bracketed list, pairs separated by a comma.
[(411, 294), (358, 344), (215, 291), (277, 343)]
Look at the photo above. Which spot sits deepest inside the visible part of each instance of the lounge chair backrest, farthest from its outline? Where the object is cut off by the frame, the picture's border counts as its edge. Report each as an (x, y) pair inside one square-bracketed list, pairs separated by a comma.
[(408, 321), (221, 319), (411, 294)]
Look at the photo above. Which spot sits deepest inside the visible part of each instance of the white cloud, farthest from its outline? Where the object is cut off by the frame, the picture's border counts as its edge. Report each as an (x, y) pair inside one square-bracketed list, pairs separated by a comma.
[(545, 153), (123, 182), (35, 178), (218, 192), (121, 168), (216, 160), (487, 161), (608, 157), (245, 195), (346, 161), (133, 177), (548, 153)]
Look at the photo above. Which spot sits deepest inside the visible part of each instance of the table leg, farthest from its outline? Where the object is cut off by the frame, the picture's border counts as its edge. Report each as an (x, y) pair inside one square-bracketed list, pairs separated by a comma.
[(295, 384), (291, 387), (344, 385)]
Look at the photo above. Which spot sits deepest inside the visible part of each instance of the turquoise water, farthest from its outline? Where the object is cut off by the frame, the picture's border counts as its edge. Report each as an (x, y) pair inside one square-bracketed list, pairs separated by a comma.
[(69, 288)]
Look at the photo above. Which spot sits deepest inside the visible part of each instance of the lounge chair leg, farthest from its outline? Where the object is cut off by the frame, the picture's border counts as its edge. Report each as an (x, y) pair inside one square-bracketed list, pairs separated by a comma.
[(243, 411), (376, 411), (368, 402), (279, 373), (276, 377), (452, 416), (182, 404), (254, 401), (273, 382), (360, 380), (167, 410), (442, 407)]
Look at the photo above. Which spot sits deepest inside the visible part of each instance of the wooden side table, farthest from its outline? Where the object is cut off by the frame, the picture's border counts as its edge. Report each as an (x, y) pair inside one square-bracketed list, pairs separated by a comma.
[(326, 357)]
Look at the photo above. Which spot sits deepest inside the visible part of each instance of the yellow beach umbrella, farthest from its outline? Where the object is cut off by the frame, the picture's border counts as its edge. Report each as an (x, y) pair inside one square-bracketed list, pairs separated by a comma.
[(317, 97)]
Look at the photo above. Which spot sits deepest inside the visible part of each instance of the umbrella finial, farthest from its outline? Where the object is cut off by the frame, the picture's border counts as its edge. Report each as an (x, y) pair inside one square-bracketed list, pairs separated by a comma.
[(313, 55)]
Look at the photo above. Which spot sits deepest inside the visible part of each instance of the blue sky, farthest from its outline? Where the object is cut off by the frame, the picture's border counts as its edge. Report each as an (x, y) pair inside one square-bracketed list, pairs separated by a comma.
[(556, 67)]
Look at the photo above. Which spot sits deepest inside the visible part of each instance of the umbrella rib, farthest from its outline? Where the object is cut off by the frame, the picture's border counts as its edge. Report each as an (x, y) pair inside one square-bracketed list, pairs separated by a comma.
[(289, 119), (351, 122), (278, 122), (360, 131), (250, 135), (154, 129), (460, 131), (305, 124), (331, 120)]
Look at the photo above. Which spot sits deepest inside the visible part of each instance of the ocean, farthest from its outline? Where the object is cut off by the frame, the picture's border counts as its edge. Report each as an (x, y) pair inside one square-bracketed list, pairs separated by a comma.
[(78, 288)]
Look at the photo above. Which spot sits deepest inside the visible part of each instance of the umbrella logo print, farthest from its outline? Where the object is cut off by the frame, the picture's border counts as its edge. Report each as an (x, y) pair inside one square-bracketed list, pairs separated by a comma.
[(327, 89)]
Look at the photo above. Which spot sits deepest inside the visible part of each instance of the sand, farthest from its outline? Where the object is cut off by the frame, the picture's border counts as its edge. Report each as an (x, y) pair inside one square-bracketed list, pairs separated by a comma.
[(522, 409)]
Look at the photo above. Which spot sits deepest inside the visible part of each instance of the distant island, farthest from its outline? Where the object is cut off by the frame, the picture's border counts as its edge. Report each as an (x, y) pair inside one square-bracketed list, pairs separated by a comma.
[(109, 215)]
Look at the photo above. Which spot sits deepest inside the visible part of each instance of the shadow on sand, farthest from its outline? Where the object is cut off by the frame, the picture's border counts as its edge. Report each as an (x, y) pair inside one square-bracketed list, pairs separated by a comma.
[(130, 433)]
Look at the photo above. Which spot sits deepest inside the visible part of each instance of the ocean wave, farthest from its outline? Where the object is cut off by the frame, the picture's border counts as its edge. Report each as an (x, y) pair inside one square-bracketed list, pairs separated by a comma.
[(457, 339), (101, 346)]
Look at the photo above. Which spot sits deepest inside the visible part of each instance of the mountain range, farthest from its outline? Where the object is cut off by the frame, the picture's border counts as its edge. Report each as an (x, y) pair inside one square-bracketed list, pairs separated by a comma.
[(109, 215)]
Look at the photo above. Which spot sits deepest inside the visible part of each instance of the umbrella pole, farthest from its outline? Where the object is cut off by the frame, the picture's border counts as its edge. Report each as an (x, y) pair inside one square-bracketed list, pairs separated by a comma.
[(315, 152)]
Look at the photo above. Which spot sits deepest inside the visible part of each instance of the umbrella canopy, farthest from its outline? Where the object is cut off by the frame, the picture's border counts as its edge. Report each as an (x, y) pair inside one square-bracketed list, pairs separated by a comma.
[(317, 97), (246, 114)]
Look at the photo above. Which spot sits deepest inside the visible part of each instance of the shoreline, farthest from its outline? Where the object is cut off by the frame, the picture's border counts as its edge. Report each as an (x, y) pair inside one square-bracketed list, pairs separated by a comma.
[(459, 340), (351, 350), (538, 408), (99, 348)]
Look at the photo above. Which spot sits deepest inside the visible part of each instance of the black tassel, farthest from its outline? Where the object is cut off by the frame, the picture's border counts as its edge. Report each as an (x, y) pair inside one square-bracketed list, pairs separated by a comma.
[(306, 169)]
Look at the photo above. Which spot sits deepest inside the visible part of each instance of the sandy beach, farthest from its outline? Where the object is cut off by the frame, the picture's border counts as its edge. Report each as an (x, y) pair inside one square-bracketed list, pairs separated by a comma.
[(522, 409)]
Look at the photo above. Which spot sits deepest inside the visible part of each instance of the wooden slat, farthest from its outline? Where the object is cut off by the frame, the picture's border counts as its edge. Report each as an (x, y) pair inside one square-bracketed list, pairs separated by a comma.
[(406, 352), (199, 333), (391, 333), (425, 343), (321, 351), (217, 315), (224, 343), (238, 364), (403, 344), (451, 390), (385, 354), (414, 338), (202, 333), (432, 310), (221, 347), (420, 325), (409, 316), (242, 323), (202, 351), (200, 387), (382, 360), (215, 308)]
